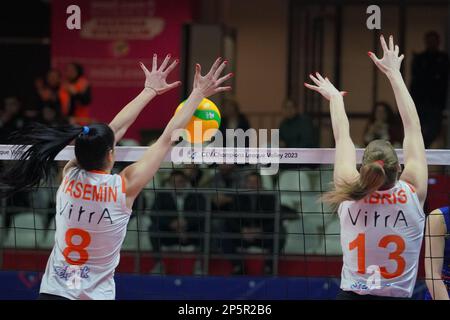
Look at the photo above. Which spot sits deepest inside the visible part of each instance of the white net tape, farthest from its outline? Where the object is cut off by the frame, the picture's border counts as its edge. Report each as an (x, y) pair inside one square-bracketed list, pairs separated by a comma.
[(238, 155)]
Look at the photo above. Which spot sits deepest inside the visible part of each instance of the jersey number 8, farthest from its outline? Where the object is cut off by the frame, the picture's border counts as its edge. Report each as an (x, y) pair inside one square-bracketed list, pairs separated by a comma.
[(78, 248)]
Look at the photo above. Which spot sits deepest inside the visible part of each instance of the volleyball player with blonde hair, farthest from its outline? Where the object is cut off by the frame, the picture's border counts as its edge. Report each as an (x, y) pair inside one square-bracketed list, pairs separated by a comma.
[(93, 206), (381, 214)]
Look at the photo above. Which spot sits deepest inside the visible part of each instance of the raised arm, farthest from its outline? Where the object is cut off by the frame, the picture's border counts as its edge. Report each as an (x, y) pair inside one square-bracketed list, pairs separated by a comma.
[(345, 156), (141, 172), (155, 84), (415, 171), (435, 233)]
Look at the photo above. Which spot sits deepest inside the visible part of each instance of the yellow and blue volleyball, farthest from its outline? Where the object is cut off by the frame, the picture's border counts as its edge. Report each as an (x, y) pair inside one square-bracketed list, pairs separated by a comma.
[(208, 116)]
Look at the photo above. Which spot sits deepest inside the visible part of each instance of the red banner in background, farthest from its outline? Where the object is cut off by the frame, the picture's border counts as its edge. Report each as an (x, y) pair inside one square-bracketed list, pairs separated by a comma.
[(114, 36)]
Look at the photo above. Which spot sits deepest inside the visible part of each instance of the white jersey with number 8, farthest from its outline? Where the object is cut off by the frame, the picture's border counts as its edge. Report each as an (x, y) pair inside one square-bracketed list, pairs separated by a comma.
[(91, 223), (381, 238)]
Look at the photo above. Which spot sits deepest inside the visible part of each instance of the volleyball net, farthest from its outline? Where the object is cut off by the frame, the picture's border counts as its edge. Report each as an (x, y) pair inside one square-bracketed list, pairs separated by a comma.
[(217, 214)]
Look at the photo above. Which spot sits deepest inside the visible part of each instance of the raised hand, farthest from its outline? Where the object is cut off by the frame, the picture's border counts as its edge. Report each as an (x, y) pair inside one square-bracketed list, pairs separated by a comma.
[(324, 87), (391, 60), (210, 83), (157, 78)]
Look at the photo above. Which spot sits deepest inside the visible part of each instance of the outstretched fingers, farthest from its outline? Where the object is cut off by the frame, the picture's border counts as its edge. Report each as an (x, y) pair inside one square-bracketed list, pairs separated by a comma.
[(391, 43), (211, 83), (171, 67), (220, 70), (165, 63), (224, 78), (222, 89), (198, 74), (214, 67), (144, 68), (221, 80), (173, 85), (310, 86), (155, 62), (384, 44), (319, 76), (374, 58), (315, 80)]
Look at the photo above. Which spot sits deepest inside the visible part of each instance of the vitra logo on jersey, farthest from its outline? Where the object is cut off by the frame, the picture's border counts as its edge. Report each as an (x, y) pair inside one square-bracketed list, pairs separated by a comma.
[(72, 274), (74, 281), (374, 281)]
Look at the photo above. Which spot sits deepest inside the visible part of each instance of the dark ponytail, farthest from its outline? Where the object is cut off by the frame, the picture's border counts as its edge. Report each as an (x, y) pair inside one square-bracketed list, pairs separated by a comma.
[(34, 150), (36, 147)]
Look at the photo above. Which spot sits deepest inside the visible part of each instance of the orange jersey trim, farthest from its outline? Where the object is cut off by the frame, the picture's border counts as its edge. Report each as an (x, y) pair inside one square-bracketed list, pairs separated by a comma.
[(411, 187), (124, 184)]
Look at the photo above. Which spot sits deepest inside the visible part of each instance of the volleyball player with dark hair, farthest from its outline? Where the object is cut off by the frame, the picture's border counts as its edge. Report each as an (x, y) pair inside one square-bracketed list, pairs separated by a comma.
[(93, 206), (381, 215)]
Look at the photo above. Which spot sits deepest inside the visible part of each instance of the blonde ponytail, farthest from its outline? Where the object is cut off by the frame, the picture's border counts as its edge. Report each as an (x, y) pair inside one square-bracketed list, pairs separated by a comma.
[(372, 177)]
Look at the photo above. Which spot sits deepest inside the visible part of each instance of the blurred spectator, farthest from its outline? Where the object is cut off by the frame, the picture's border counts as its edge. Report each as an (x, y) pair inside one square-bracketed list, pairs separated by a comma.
[(51, 94), (232, 118), (79, 91), (51, 117), (195, 175), (18, 203), (173, 213), (383, 124), (429, 86), (226, 177), (31, 114), (11, 117), (254, 231), (296, 129)]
